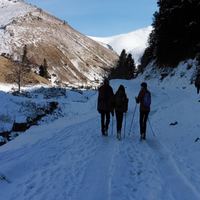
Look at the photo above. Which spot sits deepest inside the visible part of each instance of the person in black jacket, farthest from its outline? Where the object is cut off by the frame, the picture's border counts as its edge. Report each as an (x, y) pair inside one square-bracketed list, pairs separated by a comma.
[(120, 106), (105, 105)]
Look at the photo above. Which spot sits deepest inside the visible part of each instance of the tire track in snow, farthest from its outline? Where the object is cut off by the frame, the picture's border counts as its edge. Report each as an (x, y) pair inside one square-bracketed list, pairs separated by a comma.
[(62, 160), (175, 181), (137, 174), (97, 180)]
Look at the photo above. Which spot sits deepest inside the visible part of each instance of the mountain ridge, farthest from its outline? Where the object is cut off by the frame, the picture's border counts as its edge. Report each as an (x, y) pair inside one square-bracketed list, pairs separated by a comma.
[(73, 58)]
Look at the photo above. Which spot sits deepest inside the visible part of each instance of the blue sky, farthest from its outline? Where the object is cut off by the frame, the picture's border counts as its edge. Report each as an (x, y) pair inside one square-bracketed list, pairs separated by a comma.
[(101, 17)]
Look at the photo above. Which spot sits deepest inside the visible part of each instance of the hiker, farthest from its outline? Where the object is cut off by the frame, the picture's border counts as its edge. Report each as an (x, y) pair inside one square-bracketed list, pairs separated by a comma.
[(105, 105), (197, 83), (120, 107), (144, 98)]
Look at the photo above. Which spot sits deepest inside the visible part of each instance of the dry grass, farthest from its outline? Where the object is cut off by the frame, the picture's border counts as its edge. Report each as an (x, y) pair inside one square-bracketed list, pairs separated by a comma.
[(6, 69)]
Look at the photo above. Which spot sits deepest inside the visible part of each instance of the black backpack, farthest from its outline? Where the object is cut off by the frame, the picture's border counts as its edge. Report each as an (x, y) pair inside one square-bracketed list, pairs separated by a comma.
[(121, 103)]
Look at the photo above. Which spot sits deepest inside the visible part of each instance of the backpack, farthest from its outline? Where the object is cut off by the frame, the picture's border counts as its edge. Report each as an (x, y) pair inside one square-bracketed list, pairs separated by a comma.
[(121, 103), (105, 99), (147, 99)]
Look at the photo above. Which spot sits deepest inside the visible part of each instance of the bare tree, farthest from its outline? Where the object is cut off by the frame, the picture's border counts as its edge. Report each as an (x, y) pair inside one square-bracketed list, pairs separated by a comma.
[(20, 72), (19, 75)]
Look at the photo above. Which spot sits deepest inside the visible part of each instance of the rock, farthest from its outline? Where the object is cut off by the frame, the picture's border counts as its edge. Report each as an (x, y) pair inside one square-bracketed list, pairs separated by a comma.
[(173, 123), (20, 127)]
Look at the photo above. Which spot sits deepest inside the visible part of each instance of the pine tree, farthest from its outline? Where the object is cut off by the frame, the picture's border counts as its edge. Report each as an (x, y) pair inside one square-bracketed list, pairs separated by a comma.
[(24, 56), (122, 58), (175, 34), (125, 67), (21, 71), (198, 59), (43, 69), (130, 66)]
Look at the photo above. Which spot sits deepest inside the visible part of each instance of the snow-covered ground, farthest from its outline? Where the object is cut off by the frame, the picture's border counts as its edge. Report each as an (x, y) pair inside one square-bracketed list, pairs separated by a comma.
[(10, 10), (134, 42), (69, 159)]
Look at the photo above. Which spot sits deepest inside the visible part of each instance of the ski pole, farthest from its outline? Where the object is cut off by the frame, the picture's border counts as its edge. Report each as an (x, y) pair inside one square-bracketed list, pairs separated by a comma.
[(151, 128), (112, 124), (125, 125), (132, 119)]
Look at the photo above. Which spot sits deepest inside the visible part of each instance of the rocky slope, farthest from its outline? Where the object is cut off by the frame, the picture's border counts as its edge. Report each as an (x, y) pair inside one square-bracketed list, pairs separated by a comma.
[(73, 58)]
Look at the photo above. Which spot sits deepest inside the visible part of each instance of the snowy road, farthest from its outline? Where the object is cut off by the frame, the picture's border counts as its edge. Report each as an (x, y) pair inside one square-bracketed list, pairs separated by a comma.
[(72, 161)]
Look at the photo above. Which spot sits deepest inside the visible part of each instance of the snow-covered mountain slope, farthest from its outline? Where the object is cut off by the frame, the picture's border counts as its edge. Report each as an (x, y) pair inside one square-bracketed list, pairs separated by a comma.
[(69, 159), (11, 9), (134, 42), (72, 57)]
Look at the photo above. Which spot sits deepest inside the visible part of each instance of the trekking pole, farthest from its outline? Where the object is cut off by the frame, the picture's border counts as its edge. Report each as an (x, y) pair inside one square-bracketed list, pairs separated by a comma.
[(125, 126), (132, 119), (151, 128), (112, 124)]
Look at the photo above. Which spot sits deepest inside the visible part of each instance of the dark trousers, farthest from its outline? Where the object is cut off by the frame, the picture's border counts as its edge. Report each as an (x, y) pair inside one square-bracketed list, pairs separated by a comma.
[(198, 88), (105, 121), (143, 122), (119, 118)]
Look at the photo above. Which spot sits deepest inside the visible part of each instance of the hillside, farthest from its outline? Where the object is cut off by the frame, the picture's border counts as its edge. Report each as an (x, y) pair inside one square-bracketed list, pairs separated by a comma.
[(7, 68), (69, 159), (134, 42), (73, 58)]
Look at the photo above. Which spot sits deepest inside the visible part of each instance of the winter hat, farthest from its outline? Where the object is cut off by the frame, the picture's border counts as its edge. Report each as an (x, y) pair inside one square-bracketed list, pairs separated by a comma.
[(144, 84), (121, 88), (106, 81)]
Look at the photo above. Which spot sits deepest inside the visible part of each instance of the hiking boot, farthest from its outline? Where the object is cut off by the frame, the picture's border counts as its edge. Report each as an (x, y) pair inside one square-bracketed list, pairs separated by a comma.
[(142, 137), (106, 132), (119, 135)]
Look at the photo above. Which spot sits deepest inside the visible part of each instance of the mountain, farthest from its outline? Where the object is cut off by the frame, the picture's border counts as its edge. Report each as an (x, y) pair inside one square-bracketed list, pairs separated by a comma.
[(73, 58), (134, 42)]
